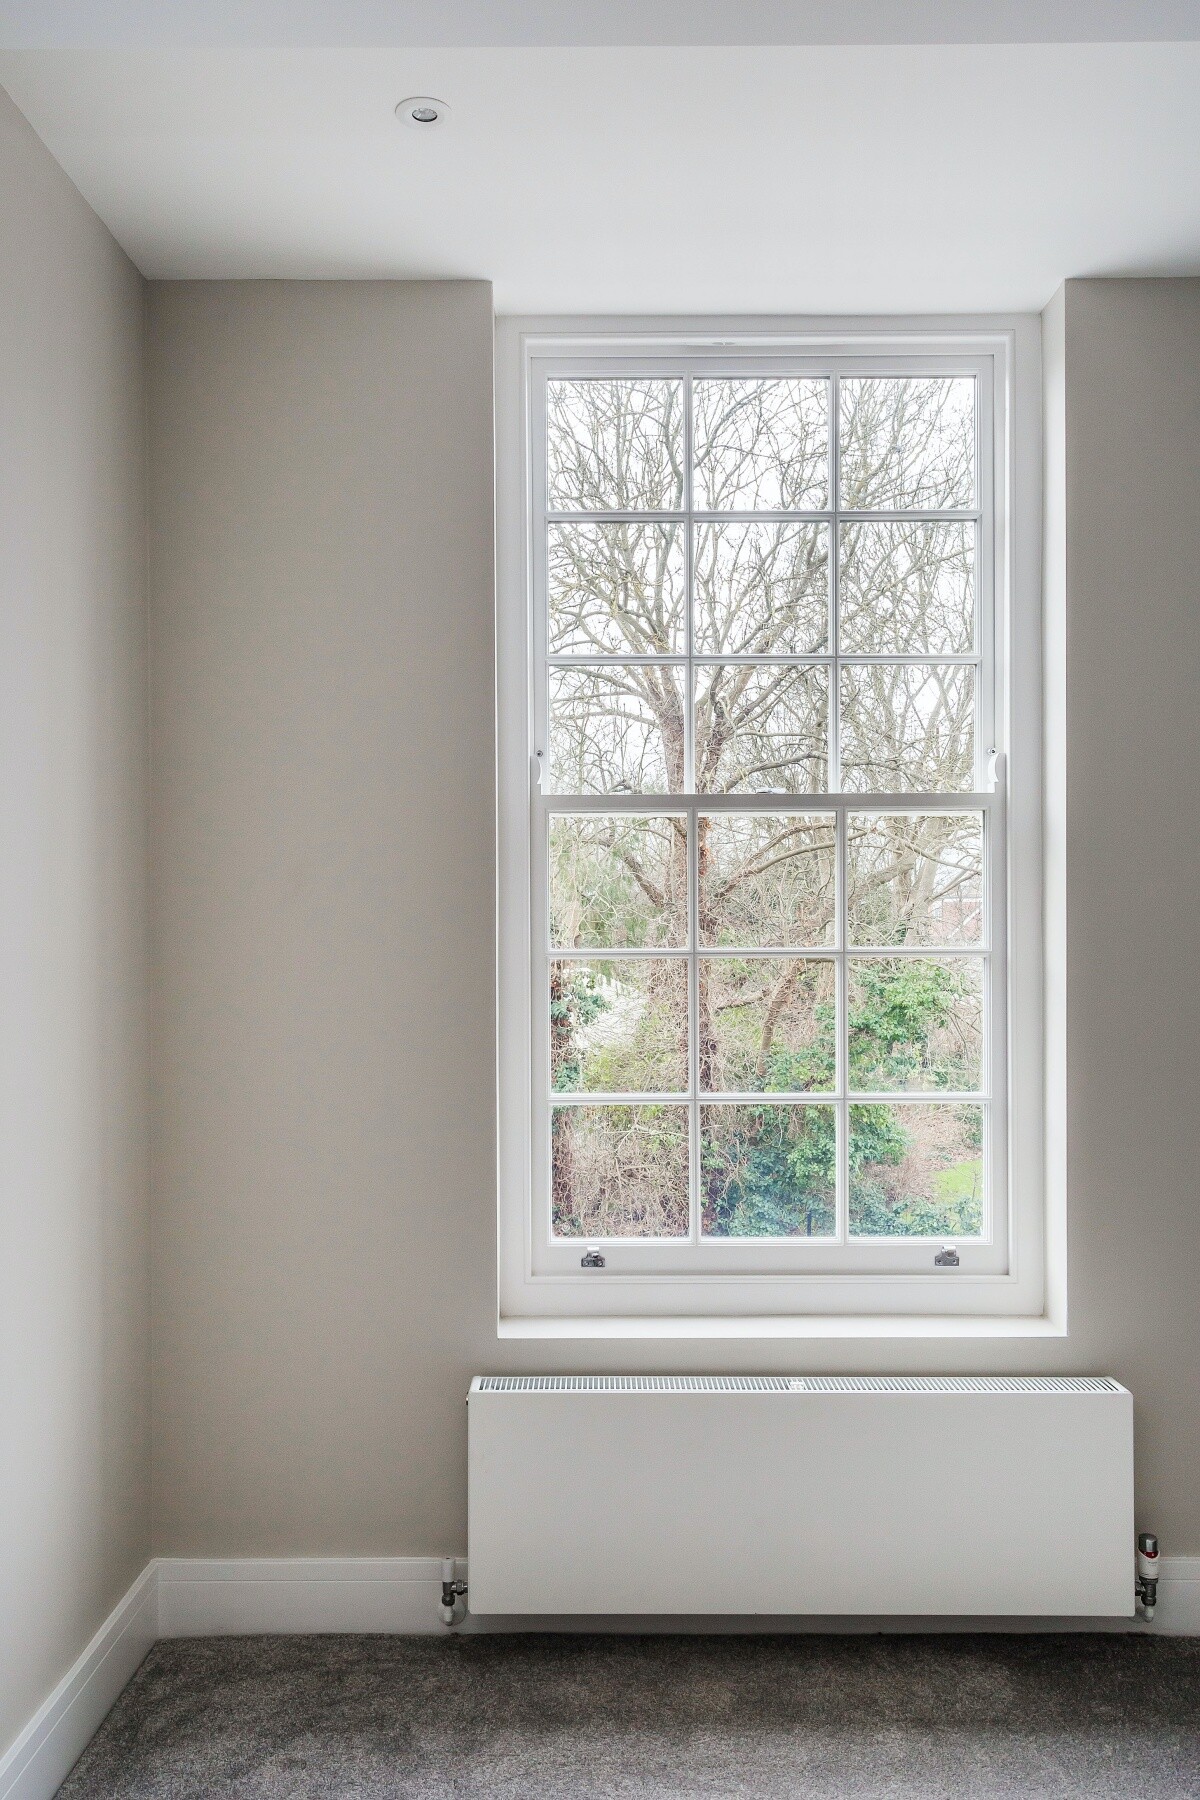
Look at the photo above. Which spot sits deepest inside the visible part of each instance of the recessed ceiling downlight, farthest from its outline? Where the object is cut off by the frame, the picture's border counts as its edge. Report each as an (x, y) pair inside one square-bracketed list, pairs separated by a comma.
[(422, 111)]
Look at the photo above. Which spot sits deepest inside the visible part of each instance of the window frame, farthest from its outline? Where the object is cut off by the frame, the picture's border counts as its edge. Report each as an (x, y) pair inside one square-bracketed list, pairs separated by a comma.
[(782, 1279)]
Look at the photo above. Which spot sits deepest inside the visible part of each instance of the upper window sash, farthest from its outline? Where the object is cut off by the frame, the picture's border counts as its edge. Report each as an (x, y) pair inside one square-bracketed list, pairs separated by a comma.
[(838, 659)]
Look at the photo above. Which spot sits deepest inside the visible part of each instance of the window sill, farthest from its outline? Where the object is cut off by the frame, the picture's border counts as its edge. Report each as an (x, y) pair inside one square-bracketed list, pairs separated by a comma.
[(812, 1325)]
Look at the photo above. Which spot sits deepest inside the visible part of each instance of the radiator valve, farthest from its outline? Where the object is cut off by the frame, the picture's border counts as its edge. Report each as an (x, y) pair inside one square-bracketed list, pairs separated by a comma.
[(1147, 1575), (454, 1606)]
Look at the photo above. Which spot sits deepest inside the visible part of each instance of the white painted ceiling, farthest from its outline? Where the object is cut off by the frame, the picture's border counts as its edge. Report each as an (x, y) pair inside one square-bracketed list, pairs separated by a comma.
[(594, 173)]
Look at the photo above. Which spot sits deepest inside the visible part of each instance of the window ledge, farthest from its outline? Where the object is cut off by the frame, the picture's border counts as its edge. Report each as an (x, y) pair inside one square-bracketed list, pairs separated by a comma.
[(811, 1325)]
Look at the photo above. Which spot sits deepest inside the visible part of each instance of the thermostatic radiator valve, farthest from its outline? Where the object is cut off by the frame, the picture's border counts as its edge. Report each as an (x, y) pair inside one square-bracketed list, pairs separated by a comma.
[(454, 1605), (1147, 1575)]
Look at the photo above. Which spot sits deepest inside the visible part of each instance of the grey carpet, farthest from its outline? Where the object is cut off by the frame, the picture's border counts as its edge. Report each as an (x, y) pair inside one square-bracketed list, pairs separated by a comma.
[(802, 1717)]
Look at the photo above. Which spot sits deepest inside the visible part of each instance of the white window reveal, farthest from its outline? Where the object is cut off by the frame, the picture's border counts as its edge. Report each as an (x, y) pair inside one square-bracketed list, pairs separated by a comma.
[(765, 1039)]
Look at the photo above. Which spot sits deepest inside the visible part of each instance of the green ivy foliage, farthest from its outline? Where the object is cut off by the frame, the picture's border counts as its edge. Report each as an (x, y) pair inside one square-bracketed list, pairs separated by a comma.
[(785, 1161)]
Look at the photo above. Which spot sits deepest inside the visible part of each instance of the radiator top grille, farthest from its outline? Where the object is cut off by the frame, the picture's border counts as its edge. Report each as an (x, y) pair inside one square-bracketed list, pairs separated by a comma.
[(792, 1384)]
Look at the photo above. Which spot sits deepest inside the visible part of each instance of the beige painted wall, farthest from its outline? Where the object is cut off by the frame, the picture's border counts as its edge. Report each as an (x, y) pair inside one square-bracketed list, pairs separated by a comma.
[(74, 1257), (1132, 861), (321, 482), (323, 907)]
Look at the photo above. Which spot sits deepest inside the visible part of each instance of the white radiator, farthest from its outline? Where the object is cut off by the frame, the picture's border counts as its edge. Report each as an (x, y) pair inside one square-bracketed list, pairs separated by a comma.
[(984, 1495)]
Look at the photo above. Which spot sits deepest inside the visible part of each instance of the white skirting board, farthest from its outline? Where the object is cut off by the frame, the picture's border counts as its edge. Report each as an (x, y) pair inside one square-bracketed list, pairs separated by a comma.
[(207, 1597), (212, 1598), (35, 1766)]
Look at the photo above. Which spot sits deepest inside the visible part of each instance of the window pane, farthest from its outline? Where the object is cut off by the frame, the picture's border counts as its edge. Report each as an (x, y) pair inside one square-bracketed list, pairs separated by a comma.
[(619, 1171), (907, 588), (761, 446), (767, 1171), (616, 730), (618, 883), (766, 880), (616, 590), (767, 1024), (916, 1171), (619, 1027), (915, 1023), (761, 729), (915, 878), (907, 442), (908, 728), (761, 590), (614, 445)]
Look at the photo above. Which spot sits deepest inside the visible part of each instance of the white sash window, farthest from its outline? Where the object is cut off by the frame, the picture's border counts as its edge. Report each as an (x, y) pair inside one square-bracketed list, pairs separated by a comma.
[(760, 601)]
